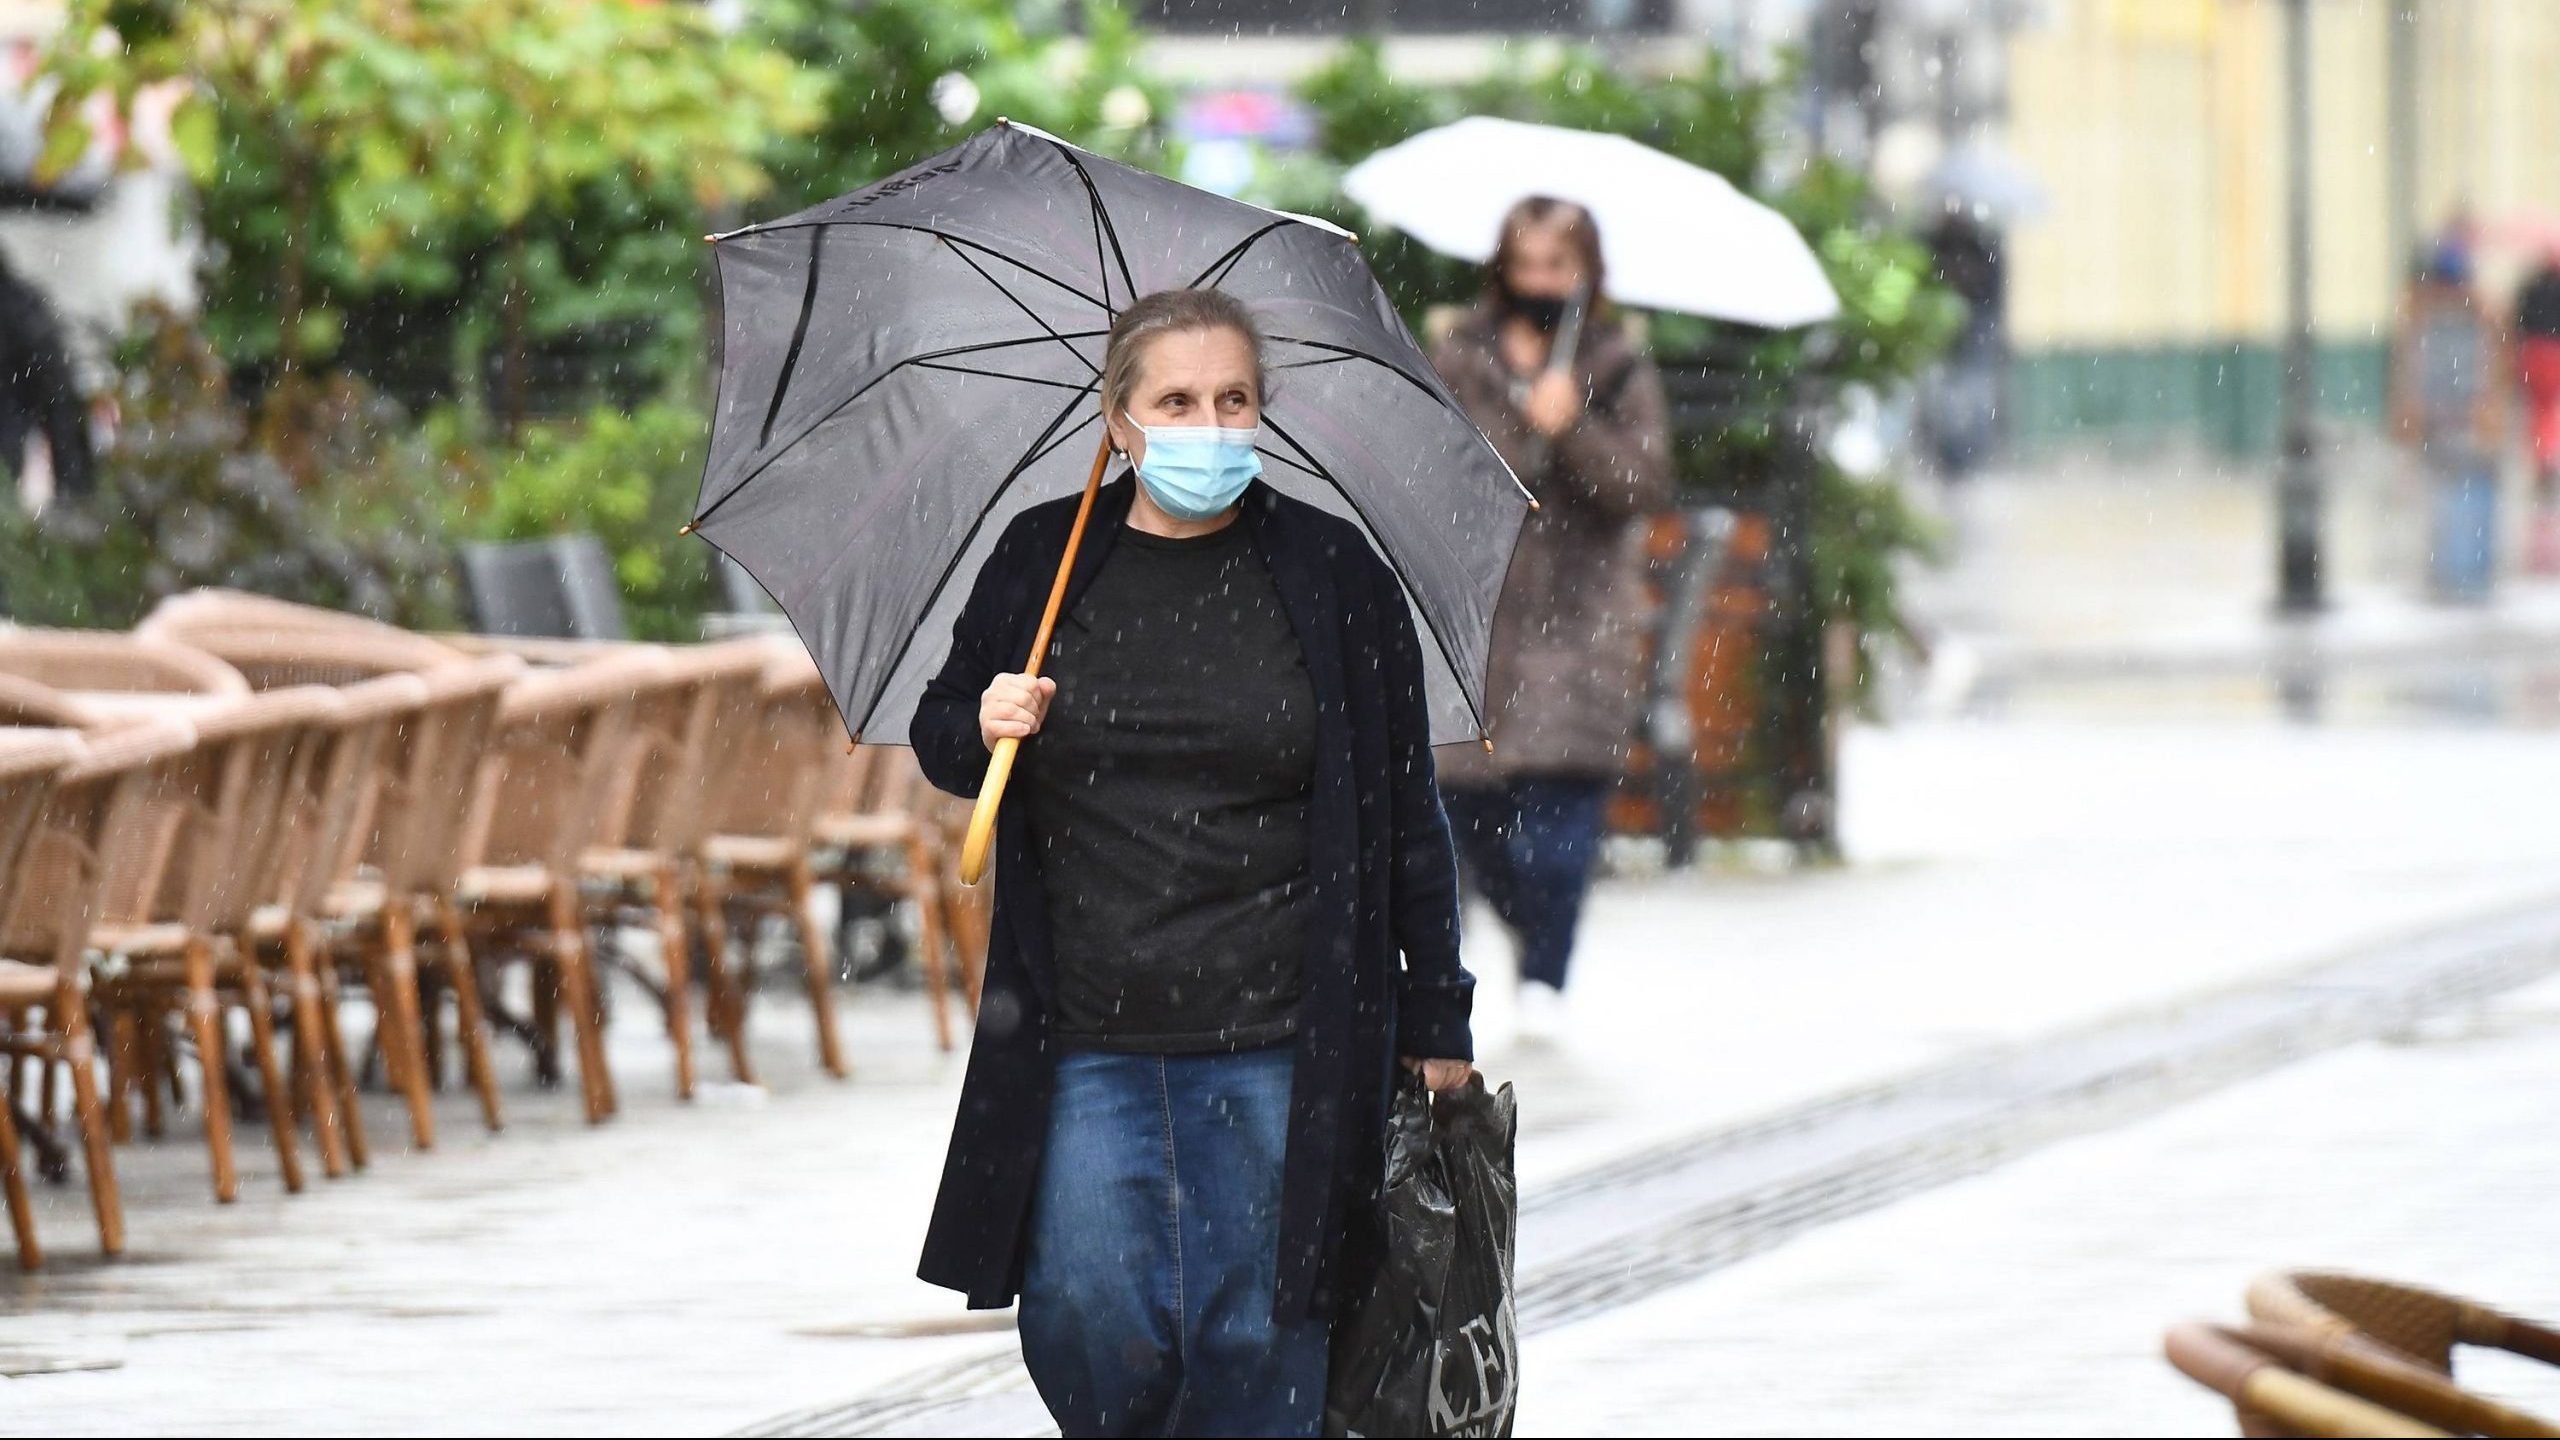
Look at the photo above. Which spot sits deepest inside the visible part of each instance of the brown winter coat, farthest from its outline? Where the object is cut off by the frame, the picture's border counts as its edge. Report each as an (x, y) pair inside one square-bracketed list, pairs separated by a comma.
[(1564, 686)]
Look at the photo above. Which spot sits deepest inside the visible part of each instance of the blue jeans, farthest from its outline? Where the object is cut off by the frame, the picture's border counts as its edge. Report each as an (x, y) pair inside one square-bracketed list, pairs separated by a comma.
[(1147, 1290), (1527, 847)]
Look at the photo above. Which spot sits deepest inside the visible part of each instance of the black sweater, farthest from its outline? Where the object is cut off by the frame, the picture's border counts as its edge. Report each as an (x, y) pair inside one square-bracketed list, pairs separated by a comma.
[(1168, 796)]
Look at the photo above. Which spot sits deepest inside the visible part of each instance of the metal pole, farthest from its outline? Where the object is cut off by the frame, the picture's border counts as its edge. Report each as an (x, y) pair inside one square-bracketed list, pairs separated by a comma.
[(2298, 487)]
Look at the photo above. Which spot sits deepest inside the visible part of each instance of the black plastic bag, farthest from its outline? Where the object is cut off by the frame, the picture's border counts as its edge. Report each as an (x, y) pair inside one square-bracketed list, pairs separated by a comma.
[(1432, 1349)]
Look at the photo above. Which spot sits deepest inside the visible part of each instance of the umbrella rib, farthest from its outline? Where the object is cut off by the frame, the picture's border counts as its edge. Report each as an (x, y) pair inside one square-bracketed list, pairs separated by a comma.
[(1103, 217), (996, 375), (1032, 454), (929, 355), (1347, 353), (1317, 468), (799, 337), (1225, 264), (1025, 309), (1311, 364), (944, 235)]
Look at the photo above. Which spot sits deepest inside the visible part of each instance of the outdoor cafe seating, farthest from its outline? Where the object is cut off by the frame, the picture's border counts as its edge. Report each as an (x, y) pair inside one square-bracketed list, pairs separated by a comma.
[(220, 829)]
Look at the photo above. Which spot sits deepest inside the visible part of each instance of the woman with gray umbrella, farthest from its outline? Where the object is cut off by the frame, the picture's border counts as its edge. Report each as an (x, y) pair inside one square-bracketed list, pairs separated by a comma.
[(1225, 920), (1235, 674), (1583, 424)]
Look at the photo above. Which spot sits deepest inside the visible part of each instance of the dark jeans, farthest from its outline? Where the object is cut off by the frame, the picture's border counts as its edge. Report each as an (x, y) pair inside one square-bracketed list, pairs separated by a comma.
[(1527, 847), (1147, 1293)]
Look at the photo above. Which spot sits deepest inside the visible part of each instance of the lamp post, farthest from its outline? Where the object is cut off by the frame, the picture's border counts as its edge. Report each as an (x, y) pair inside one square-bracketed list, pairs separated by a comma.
[(2299, 583)]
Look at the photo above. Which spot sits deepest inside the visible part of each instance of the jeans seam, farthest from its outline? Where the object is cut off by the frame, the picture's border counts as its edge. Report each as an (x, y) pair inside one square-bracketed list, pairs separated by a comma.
[(1173, 1192)]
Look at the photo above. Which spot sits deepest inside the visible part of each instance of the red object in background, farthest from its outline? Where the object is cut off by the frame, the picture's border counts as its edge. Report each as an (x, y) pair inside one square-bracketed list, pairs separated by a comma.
[(2538, 357)]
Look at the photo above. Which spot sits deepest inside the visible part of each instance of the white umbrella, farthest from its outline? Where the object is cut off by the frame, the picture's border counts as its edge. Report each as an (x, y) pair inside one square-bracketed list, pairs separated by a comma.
[(1674, 237)]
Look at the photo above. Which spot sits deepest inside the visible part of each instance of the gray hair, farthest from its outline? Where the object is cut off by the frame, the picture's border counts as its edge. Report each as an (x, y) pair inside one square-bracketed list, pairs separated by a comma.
[(1163, 313)]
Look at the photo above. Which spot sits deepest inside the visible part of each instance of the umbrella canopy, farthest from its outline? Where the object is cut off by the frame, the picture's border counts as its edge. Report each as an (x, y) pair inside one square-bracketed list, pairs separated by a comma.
[(1674, 237), (905, 368)]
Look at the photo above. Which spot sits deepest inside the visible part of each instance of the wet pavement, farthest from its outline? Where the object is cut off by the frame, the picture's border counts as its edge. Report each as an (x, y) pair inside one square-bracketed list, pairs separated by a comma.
[(1935, 1140)]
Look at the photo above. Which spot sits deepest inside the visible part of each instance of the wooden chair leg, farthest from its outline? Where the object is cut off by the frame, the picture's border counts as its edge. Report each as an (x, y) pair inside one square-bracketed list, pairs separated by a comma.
[(817, 963), (124, 1058), (464, 979), (723, 984), (79, 1056), (918, 887), (13, 1180), (578, 994), (403, 1043), (157, 1068), (676, 956), (50, 1098), (311, 1078), (262, 1044), (341, 1072), (204, 1017)]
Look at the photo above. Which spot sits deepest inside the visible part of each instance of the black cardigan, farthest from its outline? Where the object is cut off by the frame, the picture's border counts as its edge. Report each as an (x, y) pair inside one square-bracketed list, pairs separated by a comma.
[(1380, 863)]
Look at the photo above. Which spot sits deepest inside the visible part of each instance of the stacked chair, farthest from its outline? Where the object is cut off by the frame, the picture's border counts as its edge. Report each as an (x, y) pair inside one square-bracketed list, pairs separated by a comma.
[(2328, 1354), (218, 829)]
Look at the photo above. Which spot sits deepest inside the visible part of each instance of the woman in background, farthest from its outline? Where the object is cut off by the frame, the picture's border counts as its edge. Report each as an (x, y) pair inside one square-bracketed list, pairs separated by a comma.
[(1587, 437)]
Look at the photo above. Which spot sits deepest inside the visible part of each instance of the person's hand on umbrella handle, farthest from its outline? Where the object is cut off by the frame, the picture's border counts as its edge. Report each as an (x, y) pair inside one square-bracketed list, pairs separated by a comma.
[(1553, 404), (1439, 1075), (1013, 707)]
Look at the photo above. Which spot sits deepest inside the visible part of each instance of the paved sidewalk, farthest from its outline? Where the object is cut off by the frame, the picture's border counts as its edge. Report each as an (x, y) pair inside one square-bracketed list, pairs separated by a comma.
[(696, 1270), (2031, 1300)]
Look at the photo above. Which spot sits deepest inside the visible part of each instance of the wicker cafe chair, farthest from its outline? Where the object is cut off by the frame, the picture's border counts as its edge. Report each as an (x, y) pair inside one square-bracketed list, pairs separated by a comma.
[(2420, 1324), (2271, 1399), (110, 675), (28, 703), (2349, 1363), (773, 769), (687, 725), (878, 834), (325, 815), (395, 878), (410, 861), (277, 642), (48, 900), (538, 805), (30, 763), (186, 878)]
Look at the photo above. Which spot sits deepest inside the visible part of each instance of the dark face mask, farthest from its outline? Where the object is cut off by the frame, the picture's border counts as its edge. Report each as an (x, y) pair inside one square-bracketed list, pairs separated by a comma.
[(1545, 312)]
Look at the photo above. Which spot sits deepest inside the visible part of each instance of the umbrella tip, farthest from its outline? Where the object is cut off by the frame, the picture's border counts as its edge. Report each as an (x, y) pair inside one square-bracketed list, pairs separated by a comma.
[(1533, 502), (1005, 121), (687, 530), (710, 239), (1487, 742)]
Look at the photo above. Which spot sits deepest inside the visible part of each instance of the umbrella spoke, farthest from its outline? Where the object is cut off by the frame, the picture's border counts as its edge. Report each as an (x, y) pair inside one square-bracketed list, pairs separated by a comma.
[(1032, 454), (1025, 309), (1385, 551), (865, 388), (962, 241), (799, 337), (1102, 217), (998, 375), (1219, 269)]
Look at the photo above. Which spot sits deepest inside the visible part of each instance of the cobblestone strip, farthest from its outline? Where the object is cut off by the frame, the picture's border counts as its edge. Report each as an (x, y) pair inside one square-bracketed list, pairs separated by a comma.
[(1660, 1217)]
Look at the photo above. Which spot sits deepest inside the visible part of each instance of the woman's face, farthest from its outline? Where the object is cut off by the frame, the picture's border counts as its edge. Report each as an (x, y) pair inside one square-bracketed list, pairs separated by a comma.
[(1543, 263), (1189, 377)]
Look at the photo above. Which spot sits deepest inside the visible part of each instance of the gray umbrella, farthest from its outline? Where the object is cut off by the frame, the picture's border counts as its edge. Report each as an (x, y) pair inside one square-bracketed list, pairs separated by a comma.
[(906, 367)]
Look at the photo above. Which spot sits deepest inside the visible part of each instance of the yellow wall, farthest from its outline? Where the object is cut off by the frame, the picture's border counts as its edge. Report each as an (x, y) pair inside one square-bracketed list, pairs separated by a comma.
[(2158, 128)]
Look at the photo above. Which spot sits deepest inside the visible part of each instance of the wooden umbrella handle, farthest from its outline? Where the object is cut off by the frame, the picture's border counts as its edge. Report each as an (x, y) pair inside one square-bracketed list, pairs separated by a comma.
[(982, 820)]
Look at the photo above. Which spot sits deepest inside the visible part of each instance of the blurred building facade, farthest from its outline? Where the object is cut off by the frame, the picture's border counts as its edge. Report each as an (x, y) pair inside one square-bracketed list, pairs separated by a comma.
[(2145, 303)]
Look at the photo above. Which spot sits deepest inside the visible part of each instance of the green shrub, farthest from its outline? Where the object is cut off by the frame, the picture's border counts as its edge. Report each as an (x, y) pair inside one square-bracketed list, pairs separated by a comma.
[(192, 492)]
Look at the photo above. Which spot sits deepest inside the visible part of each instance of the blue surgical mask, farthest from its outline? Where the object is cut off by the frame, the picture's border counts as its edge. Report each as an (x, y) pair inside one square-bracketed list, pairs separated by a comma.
[(1194, 472)]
